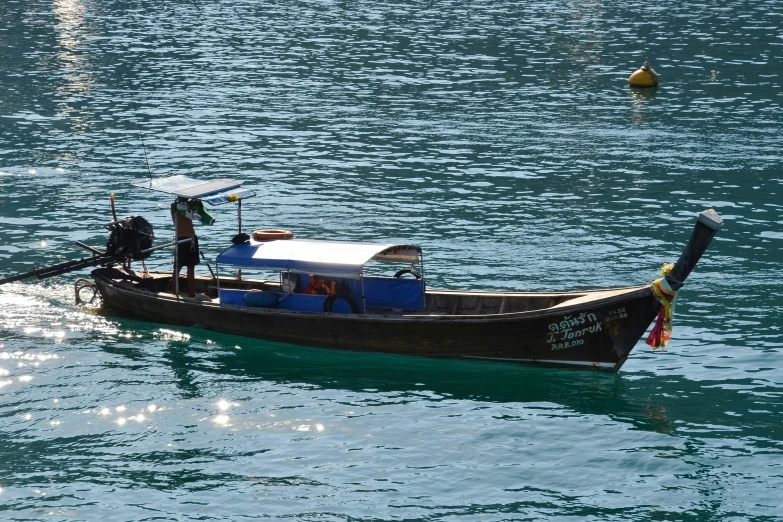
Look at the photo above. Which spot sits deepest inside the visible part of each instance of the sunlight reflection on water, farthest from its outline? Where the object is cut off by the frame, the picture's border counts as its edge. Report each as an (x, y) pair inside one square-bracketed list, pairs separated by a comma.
[(504, 139)]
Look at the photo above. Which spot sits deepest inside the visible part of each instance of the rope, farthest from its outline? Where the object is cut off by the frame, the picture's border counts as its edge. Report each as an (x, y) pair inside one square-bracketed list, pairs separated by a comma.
[(79, 285)]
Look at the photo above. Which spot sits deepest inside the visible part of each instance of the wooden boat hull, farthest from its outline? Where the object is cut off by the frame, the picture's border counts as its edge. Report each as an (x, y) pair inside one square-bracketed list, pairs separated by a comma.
[(595, 329)]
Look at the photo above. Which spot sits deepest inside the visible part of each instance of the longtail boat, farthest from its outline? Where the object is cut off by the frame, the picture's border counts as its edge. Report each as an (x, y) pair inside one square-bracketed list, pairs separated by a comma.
[(373, 297)]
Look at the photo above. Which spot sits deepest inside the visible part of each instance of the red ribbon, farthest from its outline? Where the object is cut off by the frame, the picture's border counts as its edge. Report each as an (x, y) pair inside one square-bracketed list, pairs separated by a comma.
[(656, 335)]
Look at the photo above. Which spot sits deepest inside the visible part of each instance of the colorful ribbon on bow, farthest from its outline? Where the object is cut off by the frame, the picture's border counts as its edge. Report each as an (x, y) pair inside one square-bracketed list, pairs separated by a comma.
[(661, 333)]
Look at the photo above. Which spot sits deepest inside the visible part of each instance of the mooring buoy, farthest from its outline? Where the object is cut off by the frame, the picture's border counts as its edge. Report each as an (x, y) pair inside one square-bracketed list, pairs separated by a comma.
[(644, 76)]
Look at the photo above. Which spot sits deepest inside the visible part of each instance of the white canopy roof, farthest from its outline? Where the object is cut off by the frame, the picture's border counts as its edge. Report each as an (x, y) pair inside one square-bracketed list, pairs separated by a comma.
[(342, 258)]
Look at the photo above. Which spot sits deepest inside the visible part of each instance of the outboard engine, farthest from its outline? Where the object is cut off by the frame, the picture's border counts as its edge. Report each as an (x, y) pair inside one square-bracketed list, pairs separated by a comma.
[(129, 237)]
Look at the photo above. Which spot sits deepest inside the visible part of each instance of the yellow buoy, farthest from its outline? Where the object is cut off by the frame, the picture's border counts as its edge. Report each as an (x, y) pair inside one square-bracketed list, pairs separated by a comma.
[(645, 76)]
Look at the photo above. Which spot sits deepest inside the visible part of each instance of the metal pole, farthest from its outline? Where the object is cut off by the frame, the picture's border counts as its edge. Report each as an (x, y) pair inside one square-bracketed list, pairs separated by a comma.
[(176, 252), (364, 301), (239, 218), (421, 282), (239, 214), (178, 242), (91, 249), (217, 272)]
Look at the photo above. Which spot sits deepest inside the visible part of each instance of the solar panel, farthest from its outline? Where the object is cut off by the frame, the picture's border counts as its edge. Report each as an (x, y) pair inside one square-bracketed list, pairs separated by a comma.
[(186, 187)]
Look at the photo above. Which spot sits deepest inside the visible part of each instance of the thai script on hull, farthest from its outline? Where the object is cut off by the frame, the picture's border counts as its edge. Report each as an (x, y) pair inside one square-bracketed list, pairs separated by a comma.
[(571, 327)]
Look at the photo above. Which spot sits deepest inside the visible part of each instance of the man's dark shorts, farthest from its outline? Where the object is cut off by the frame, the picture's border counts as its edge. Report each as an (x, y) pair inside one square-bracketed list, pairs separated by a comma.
[(187, 253)]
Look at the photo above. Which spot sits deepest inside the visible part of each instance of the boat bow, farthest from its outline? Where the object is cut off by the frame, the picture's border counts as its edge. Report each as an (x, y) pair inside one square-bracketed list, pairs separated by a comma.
[(707, 224)]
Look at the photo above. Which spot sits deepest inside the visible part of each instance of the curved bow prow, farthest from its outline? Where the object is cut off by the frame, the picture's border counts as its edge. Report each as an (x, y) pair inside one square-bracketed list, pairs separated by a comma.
[(706, 225)]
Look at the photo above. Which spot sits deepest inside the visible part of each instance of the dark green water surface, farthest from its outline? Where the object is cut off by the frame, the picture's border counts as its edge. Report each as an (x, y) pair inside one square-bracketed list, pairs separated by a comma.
[(502, 137)]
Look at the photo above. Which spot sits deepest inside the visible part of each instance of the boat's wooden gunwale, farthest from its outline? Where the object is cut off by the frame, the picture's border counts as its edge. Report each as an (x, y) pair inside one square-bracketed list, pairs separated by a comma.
[(616, 295), (492, 293)]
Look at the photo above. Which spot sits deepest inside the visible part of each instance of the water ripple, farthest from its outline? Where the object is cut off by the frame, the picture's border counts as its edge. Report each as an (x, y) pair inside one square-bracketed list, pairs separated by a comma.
[(503, 138)]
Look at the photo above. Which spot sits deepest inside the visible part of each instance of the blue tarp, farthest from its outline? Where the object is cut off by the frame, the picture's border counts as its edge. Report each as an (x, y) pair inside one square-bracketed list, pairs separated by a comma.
[(282, 301), (380, 292)]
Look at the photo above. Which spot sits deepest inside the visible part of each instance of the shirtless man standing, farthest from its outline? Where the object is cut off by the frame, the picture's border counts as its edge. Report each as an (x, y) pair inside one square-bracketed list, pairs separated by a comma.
[(187, 253)]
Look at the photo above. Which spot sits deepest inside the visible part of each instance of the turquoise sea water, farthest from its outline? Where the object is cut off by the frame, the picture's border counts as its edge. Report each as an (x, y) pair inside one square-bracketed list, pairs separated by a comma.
[(499, 135)]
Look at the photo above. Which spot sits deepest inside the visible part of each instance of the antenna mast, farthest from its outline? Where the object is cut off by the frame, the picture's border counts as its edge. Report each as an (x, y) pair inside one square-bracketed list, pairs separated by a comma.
[(141, 137)]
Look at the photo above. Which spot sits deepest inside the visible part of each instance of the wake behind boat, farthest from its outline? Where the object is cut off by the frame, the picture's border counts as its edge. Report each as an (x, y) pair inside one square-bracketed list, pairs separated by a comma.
[(372, 297)]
